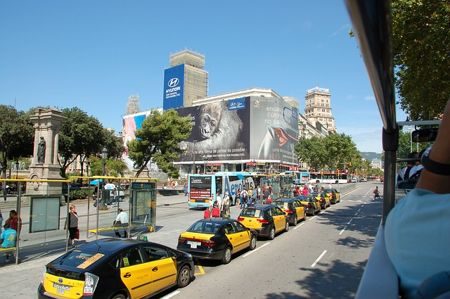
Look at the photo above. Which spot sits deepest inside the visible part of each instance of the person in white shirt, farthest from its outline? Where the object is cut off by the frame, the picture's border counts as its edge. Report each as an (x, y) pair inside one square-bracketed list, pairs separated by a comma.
[(121, 221)]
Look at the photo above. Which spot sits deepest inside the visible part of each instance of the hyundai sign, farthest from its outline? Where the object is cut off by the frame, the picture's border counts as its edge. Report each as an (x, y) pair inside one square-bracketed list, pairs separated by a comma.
[(173, 87)]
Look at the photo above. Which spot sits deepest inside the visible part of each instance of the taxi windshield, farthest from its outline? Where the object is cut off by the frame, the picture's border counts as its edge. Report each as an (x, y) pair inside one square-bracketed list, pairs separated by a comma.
[(251, 213), (204, 227)]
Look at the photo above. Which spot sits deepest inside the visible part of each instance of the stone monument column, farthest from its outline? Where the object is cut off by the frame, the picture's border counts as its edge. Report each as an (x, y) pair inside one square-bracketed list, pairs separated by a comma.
[(47, 124)]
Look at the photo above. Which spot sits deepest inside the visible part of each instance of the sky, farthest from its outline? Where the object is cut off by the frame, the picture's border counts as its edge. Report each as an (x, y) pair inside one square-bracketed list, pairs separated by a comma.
[(95, 54)]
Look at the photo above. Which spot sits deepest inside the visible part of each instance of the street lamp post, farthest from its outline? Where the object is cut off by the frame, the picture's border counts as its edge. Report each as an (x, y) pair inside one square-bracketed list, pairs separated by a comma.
[(193, 158), (17, 169), (104, 156)]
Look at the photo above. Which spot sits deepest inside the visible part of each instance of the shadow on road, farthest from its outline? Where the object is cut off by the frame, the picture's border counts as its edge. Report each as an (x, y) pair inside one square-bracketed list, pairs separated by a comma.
[(365, 222), (339, 281)]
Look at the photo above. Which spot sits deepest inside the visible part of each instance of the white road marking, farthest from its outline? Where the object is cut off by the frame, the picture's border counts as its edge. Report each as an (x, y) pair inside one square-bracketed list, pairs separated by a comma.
[(298, 226), (349, 221), (342, 231), (318, 259), (256, 249), (349, 193), (312, 217), (173, 294)]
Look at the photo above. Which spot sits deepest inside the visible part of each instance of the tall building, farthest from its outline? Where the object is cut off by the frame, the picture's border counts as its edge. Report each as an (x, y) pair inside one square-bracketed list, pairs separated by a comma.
[(133, 105), (186, 80), (318, 107)]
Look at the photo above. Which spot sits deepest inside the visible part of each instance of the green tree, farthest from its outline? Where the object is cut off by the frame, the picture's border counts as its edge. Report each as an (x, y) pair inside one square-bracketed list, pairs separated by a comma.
[(159, 140), (312, 151), (421, 48), (114, 167), (16, 137), (81, 136)]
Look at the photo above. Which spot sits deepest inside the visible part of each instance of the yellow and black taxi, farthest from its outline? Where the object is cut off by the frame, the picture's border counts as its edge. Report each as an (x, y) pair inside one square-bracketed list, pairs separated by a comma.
[(266, 220), (216, 239), (334, 194), (294, 210), (311, 204), (324, 199), (116, 268)]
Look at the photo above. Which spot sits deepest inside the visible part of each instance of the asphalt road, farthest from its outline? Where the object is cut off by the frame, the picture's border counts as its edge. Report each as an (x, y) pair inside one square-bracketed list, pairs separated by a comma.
[(322, 257)]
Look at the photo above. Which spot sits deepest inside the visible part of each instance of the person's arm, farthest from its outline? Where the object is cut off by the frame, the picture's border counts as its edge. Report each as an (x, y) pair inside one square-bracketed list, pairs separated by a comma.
[(440, 152)]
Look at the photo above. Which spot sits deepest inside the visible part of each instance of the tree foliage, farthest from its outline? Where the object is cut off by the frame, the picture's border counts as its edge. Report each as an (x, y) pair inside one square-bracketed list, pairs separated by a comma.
[(16, 135), (159, 141), (421, 46), (335, 151), (81, 136)]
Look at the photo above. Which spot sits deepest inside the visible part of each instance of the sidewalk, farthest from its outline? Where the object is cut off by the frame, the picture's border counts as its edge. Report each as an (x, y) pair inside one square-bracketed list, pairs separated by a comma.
[(37, 245)]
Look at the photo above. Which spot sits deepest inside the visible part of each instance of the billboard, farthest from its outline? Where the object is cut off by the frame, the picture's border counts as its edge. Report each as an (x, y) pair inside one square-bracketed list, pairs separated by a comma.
[(220, 131), (274, 129), (130, 123), (173, 87)]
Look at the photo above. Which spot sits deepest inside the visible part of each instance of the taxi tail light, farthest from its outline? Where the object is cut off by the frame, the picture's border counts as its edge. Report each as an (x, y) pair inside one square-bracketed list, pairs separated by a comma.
[(310, 205), (240, 218), (90, 284), (289, 211), (208, 243), (181, 240), (262, 220)]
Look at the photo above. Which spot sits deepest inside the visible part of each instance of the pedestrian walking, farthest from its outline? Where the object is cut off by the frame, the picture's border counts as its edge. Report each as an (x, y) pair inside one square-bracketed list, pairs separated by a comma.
[(122, 222), (72, 225), (226, 206), (185, 188)]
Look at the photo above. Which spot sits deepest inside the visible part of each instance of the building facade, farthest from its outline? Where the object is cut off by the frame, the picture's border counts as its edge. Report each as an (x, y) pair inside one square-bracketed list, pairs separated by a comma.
[(318, 107), (256, 131), (185, 81)]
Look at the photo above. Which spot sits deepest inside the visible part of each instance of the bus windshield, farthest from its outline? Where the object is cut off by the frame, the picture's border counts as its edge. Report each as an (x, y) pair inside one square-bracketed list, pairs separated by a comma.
[(200, 186)]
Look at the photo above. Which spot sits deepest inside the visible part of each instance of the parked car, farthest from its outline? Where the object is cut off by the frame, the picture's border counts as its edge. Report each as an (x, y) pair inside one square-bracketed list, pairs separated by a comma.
[(266, 220), (294, 210), (216, 239), (311, 204), (335, 195), (116, 268)]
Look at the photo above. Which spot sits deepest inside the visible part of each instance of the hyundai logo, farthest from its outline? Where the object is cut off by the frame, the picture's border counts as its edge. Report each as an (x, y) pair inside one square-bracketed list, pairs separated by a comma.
[(173, 82)]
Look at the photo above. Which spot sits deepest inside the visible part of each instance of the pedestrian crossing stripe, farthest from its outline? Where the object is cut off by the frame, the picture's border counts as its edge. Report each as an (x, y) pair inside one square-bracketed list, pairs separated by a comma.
[(199, 270)]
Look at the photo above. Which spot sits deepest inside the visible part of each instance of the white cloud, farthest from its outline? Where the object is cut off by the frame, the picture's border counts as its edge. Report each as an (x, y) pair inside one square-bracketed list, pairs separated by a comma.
[(369, 98)]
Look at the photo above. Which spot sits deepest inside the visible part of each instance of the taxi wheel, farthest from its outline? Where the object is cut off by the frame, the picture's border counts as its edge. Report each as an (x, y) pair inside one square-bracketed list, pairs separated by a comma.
[(272, 233), (253, 242), (286, 228), (184, 276), (295, 221), (226, 256), (119, 296)]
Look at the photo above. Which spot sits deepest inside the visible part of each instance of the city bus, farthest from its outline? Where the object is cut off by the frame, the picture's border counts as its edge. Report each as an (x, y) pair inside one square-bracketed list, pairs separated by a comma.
[(300, 177), (203, 188), (328, 177)]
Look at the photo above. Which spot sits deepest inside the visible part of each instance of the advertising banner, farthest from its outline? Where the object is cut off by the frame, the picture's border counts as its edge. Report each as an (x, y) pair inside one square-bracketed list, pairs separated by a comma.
[(173, 87), (220, 131), (274, 130), (130, 123)]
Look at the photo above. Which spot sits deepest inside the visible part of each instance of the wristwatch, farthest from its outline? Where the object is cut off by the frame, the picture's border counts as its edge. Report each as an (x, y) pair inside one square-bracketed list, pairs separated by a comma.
[(433, 166)]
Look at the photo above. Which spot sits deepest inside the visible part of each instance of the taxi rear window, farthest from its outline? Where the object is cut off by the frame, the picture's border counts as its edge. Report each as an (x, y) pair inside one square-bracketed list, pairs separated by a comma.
[(251, 213), (81, 260), (204, 227)]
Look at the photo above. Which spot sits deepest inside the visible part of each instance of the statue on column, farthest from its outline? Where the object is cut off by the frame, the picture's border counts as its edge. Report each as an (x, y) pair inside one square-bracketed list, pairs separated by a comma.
[(41, 151)]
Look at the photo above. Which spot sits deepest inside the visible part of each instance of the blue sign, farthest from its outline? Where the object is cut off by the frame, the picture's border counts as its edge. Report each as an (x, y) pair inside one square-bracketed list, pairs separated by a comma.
[(236, 104), (173, 87)]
